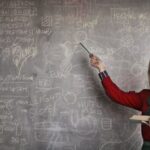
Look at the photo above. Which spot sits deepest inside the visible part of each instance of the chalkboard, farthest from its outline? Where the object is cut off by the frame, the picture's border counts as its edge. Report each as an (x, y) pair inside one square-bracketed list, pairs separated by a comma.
[(50, 96)]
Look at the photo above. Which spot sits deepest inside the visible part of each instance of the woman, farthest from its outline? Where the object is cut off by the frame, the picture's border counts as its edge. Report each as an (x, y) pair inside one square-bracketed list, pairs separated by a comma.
[(137, 100)]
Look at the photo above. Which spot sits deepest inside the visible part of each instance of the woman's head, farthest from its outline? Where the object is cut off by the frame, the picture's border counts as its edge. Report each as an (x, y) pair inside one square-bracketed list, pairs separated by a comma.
[(149, 73)]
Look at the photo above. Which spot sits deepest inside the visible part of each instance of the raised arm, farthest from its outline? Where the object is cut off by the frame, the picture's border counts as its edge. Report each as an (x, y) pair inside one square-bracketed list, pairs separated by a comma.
[(131, 98)]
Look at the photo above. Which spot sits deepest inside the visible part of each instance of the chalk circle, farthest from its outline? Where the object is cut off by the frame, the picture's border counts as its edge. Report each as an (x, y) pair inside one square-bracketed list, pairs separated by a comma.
[(86, 127), (80, 36), (69, 49), (136, 70), (70, 98)]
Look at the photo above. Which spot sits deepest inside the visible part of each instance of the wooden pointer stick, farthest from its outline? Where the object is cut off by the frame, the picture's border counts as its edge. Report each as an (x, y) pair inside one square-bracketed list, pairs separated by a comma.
[(90, 54)]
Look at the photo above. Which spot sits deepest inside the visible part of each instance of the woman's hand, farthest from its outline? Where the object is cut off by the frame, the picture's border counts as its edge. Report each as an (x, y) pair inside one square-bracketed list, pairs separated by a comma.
[(97, 63)]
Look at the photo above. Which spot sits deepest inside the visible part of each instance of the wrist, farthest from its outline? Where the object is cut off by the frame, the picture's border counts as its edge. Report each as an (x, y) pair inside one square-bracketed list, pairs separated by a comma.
[(101, 69)]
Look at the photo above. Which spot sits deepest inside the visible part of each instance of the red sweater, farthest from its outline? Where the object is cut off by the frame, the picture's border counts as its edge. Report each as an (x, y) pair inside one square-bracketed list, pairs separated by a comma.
[(136, 100)]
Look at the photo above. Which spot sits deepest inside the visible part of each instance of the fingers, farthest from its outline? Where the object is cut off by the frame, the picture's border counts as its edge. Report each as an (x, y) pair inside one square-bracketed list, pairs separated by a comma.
[(91, 55), (94, 57), (94, 62)]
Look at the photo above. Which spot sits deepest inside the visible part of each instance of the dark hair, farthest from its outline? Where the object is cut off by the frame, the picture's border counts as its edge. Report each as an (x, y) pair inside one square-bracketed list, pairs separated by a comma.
[(149, 73)]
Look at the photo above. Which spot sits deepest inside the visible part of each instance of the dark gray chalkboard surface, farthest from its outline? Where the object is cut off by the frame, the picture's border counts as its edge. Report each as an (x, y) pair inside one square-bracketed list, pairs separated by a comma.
[(50, 96)]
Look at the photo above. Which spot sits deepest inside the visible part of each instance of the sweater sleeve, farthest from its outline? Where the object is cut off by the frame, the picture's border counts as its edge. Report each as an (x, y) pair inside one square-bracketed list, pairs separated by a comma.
[(130, 99)]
